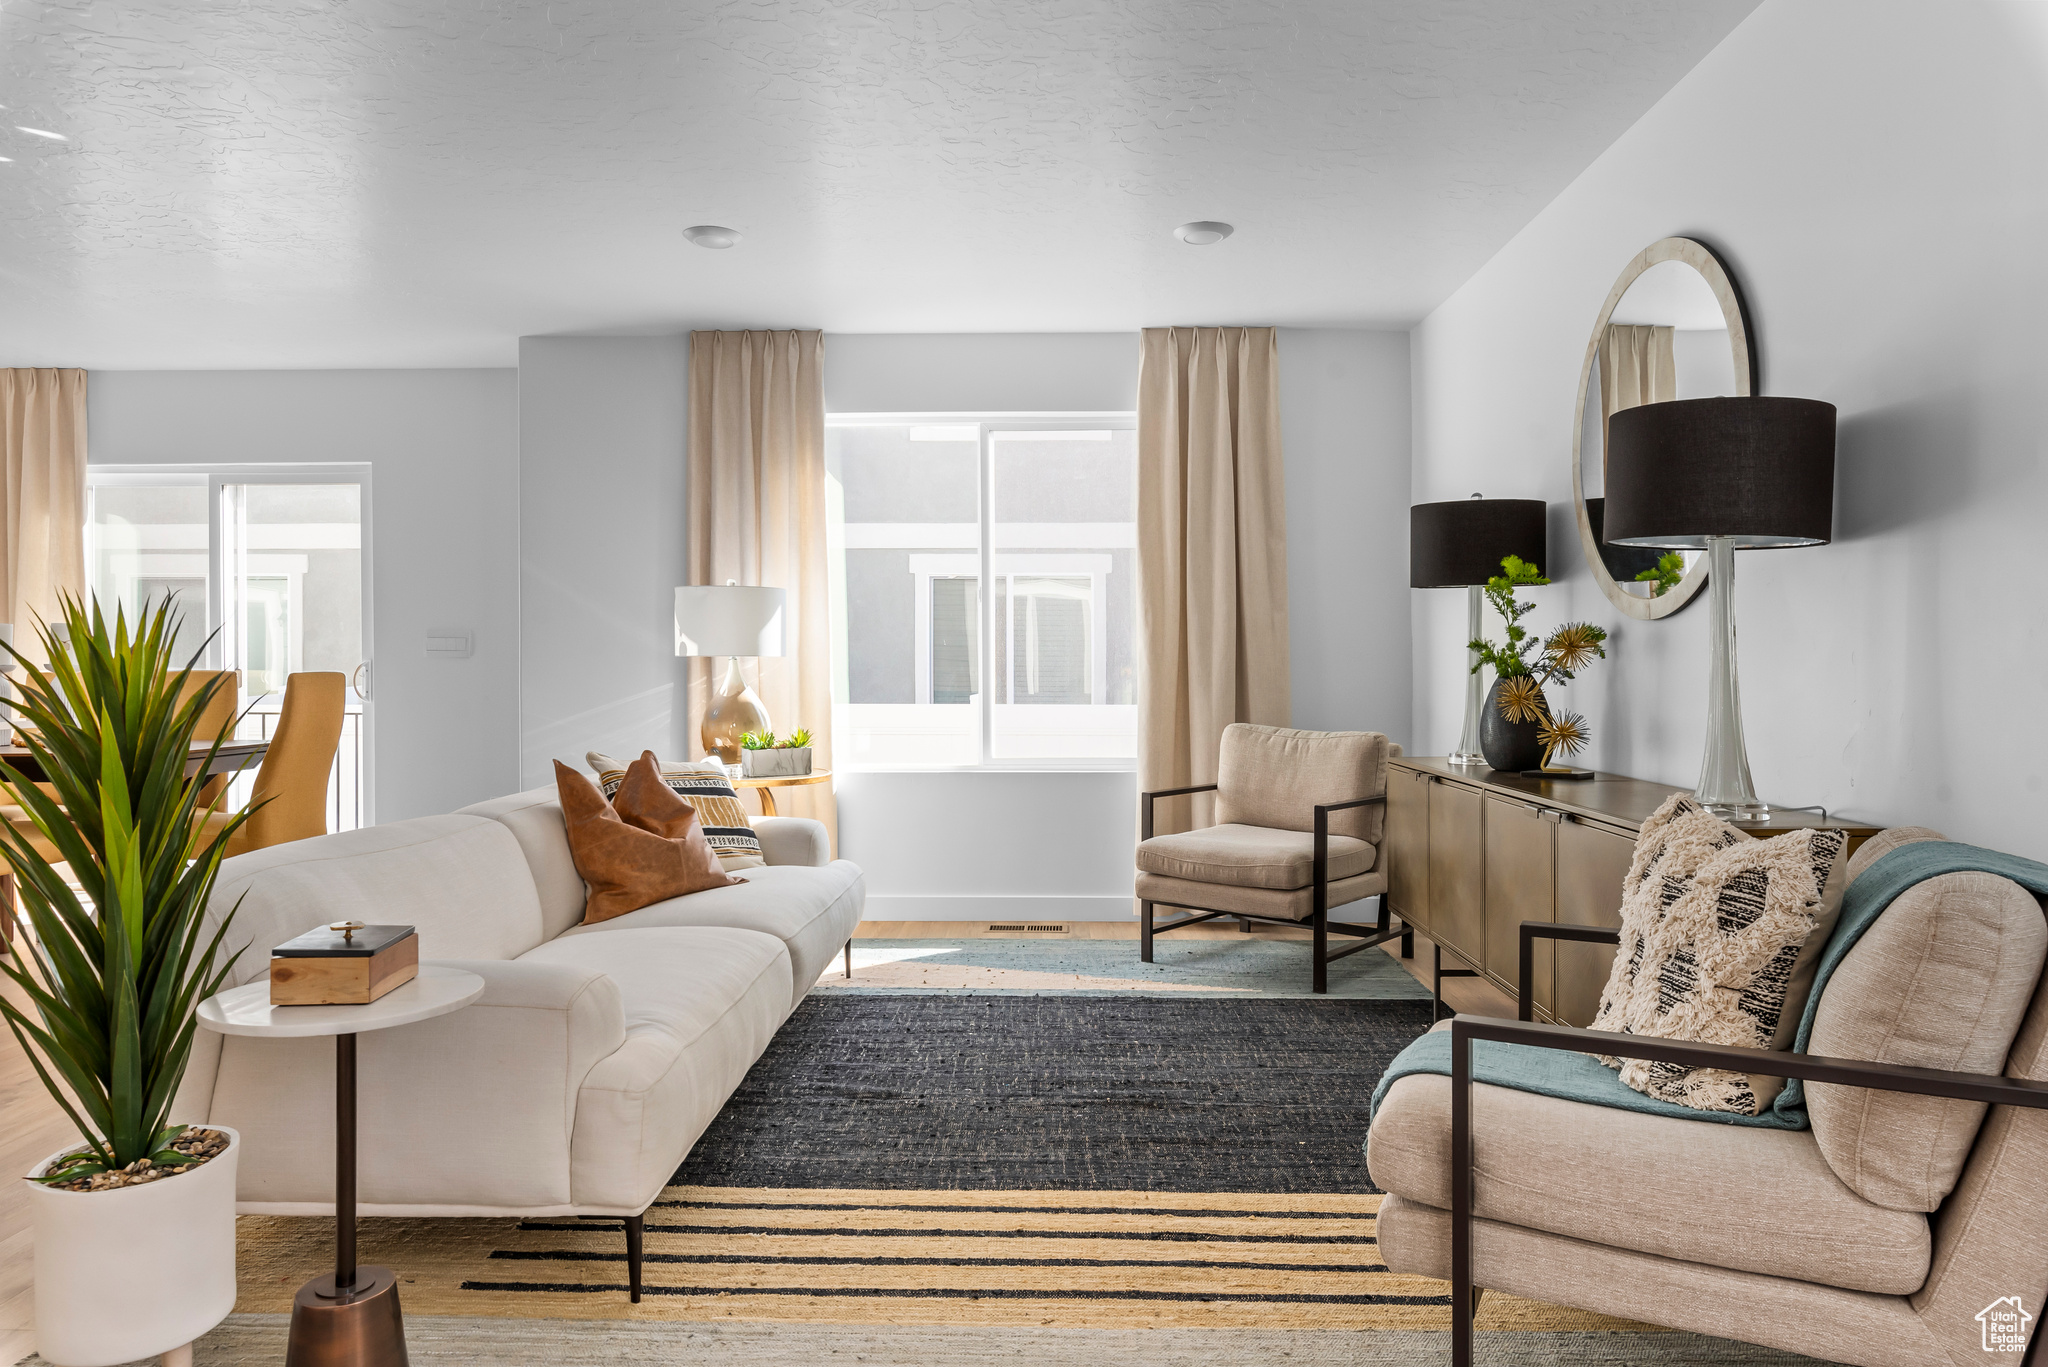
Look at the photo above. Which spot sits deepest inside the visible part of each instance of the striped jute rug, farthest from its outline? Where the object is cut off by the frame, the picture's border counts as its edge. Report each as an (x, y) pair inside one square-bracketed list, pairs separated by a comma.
[(1104, 1259)]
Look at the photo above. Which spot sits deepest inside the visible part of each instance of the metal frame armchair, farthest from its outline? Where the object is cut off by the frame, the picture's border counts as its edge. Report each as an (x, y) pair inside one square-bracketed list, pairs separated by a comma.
[(1797, 1240), (1244, 748)]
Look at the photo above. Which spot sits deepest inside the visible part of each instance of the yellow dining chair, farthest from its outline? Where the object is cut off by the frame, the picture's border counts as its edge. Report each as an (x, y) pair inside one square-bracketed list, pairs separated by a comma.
[(292, 784), (217, 720)]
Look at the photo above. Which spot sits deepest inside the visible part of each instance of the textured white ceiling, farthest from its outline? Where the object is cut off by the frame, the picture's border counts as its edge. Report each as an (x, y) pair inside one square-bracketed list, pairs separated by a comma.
[(257, 183)]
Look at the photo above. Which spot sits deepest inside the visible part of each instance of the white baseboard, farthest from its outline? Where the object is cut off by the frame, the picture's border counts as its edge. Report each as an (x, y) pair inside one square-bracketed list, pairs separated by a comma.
[(997, 910)]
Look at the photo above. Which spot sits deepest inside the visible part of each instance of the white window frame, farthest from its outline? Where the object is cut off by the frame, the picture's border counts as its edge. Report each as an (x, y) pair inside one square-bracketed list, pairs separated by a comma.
[(215, 479), (1008, 566), (987, 564)]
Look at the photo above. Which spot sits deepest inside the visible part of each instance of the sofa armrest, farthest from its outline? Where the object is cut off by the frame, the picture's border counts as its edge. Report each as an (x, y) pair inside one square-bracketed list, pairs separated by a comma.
[(793, 840), (1145, 801), (471, 1111)]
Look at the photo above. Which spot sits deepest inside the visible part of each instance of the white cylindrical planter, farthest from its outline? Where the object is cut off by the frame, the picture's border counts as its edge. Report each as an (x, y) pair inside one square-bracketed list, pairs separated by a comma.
[(136, 1271)]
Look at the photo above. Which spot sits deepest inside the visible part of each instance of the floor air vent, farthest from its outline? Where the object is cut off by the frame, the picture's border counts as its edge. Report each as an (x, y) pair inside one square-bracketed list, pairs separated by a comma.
[(1029, 930)]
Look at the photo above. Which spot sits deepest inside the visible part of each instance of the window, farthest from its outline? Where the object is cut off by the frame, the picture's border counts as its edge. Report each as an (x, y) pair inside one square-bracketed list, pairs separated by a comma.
[(267, 561), (970, 549)]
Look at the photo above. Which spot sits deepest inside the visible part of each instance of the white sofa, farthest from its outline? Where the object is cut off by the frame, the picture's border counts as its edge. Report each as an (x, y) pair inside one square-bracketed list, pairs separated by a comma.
[(594, 1059)]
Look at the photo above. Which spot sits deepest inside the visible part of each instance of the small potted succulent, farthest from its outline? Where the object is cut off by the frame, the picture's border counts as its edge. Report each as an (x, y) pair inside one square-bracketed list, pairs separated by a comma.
[(135, 1223), (763, 756)]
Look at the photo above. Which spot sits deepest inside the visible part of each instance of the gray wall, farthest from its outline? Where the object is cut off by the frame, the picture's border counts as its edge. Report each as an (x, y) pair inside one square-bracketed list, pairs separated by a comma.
[(1036, 372), (444, 528), (601, 450), (1344, 426), (1871, 172)]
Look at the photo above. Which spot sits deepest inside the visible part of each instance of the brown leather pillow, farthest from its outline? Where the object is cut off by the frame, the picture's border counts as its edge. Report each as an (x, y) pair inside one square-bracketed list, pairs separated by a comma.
[(629, 866)]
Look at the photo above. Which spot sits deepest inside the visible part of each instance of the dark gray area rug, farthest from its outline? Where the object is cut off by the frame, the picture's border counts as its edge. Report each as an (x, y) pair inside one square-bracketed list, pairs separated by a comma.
[(1113, 1093)]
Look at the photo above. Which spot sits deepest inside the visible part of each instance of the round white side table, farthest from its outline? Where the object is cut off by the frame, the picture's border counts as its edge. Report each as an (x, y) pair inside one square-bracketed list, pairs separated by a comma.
[(350, 1317)]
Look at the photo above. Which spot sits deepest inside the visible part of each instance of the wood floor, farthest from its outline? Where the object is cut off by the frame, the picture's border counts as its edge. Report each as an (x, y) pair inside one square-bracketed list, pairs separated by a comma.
[(34, 1128)]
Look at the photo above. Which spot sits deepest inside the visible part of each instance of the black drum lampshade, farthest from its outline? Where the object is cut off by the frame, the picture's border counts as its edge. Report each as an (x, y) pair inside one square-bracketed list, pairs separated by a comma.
[(1760, 470), (1461, 543)]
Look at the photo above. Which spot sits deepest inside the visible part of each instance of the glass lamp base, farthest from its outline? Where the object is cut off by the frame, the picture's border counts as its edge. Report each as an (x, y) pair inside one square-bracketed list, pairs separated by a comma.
[(1736, 811), (1466, 758)]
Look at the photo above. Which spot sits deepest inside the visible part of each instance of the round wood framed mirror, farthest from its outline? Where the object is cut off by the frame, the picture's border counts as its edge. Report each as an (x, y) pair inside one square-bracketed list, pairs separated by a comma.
[(1673, 327)]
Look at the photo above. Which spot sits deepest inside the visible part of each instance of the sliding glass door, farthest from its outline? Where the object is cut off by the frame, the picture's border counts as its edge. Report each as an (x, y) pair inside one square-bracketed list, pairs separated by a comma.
[(269, 568)]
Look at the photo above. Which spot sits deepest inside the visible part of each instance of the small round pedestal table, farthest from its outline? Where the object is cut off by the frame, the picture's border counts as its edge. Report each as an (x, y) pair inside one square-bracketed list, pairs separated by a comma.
[(766, 786), (350, 1317)]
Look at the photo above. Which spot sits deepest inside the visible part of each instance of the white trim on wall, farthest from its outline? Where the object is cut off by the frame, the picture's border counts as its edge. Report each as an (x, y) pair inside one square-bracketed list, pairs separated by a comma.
[(997, 910)]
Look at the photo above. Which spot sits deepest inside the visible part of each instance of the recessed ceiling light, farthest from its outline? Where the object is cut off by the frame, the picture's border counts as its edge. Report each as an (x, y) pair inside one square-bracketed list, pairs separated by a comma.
[(41, 133), (712, 236), (1203, 233)]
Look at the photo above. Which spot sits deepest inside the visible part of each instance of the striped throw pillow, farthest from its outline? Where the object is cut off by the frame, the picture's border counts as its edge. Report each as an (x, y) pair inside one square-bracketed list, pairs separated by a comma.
[(705, 787)]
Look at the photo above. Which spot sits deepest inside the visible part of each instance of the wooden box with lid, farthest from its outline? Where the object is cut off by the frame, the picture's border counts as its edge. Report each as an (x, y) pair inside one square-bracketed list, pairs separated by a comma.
[(342, 964)]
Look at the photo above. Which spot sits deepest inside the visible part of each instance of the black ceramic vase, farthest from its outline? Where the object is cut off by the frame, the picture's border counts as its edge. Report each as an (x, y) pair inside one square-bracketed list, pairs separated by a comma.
[(1508, 746)]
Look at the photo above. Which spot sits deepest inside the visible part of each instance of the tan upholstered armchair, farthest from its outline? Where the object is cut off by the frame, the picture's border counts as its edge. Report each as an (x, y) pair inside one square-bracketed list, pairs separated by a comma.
[(1883, 1236), (1299, 832)]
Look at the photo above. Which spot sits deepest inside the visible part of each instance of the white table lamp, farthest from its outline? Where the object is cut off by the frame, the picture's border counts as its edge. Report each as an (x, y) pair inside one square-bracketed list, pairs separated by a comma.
[(731, 619)]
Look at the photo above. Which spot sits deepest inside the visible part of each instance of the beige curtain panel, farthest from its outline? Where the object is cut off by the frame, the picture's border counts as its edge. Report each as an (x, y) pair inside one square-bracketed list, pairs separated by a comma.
[(1636, 367), (757, 515), (42, 434), (1212, 553)]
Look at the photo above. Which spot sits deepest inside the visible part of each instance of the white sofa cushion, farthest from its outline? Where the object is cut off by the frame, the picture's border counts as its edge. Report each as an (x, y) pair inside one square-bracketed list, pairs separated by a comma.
[(535, 819), (812, 911), (458, 879), (701, 1004)]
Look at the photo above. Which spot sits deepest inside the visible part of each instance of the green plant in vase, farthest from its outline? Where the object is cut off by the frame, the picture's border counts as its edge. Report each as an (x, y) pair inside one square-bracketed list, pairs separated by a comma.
[(115, 969), (110, 977), (1522, 665)]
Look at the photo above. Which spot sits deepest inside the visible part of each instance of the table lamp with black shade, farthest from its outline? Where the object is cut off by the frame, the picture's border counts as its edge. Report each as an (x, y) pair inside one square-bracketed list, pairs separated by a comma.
[(1722, 475), (1460, 544)]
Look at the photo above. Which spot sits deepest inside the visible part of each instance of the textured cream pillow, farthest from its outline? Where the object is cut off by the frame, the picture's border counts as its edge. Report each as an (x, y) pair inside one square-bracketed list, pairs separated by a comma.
[(705, 787), (1720, 938)]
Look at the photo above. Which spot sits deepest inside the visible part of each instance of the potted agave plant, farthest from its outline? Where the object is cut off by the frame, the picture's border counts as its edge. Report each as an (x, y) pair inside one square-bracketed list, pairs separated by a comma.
[(134, 1224)]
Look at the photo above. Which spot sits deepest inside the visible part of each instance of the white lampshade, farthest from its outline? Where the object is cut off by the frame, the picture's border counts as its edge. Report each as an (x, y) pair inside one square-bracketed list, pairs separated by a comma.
[(732, 619)]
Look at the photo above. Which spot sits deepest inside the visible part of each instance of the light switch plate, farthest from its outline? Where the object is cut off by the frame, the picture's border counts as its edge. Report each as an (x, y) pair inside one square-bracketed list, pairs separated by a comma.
[(450, 645)]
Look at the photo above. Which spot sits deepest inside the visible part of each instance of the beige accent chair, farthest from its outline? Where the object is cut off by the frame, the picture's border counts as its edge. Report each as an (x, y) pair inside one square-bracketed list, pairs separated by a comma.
[(290, 797), (1300, 819), (1875, 1238)]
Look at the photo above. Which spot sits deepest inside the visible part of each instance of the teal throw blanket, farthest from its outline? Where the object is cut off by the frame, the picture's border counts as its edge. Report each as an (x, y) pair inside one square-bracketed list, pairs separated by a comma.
[(1579, 1077)]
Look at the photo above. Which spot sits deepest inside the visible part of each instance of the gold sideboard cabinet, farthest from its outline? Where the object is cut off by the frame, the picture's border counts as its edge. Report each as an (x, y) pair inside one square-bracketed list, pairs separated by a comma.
[(1473, 853)]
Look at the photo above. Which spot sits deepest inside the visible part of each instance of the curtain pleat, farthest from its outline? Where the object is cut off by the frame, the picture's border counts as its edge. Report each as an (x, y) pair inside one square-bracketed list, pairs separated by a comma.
[(1212, 553), (1637, 366), (42, 530), (757, 516)]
